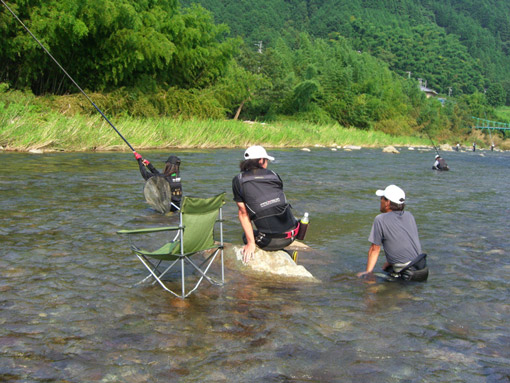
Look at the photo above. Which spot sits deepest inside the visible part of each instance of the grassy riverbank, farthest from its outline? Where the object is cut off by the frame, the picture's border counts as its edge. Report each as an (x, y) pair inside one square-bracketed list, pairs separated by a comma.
[(26, 127), (30, 123)]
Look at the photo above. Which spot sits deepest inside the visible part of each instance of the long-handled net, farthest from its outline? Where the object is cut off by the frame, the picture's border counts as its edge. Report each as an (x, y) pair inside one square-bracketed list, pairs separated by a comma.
[(158, 194)]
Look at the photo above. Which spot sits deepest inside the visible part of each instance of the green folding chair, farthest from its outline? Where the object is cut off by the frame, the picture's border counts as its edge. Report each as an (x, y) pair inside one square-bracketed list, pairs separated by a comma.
[(195, 234)]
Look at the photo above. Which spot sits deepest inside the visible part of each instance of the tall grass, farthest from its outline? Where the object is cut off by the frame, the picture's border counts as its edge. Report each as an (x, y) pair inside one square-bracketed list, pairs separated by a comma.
[(26, 125)]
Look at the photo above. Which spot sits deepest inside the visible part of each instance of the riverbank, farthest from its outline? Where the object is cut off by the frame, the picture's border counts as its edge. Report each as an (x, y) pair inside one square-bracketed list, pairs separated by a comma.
[(29, 123), (28, 128)]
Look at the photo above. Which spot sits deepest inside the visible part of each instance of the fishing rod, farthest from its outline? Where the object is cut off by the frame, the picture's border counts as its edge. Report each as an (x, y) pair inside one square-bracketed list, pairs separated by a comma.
[(429, 139), (67, 74)]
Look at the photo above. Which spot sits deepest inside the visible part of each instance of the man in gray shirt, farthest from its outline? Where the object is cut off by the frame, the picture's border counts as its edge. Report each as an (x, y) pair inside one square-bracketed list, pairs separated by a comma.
[(396, 230)]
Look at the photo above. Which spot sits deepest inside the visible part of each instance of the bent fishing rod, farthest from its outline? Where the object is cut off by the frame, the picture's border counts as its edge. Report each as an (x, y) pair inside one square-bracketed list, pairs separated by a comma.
[(429, 139), (67, 74)]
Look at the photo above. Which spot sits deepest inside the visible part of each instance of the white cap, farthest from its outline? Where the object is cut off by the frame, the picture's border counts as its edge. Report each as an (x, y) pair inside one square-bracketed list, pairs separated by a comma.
[(392, 193), (437, 156), (255, 152)]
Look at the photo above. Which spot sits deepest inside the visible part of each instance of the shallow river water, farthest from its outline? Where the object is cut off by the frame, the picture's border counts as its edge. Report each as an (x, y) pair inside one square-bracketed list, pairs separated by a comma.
[(69, 313)]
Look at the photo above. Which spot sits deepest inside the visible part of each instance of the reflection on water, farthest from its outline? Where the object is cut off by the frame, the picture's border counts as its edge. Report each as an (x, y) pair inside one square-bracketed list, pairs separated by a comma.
[(68, 313)]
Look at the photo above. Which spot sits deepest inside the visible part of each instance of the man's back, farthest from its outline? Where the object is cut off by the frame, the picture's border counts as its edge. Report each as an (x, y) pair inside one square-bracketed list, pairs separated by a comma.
[(397, 232)]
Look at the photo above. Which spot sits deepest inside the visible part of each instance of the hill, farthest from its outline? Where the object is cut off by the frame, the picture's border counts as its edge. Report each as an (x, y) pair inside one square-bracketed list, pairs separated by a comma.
[(456, 46)]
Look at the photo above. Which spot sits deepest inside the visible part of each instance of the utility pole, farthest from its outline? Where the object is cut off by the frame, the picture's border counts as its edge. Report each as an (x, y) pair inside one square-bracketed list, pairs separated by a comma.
[(449, 91), (259, 44), (408, 74)]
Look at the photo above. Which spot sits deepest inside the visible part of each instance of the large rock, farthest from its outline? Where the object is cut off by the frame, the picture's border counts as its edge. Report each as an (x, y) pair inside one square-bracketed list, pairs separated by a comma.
[(277, 264), (390, 149), (352, 147)]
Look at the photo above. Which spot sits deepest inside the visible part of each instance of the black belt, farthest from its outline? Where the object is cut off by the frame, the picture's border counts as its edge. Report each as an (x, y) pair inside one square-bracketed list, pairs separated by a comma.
[(288, 234)]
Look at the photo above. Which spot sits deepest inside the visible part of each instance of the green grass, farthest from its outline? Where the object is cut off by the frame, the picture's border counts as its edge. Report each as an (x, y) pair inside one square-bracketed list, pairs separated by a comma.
[(26, 124), (503, 113)]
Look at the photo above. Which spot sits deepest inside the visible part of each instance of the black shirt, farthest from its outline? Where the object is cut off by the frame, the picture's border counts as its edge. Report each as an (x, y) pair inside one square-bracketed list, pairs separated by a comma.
[(280, 221)]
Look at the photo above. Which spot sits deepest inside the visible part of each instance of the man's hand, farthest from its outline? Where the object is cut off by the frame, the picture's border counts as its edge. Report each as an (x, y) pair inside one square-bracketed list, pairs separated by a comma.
[(137, 156), (367, 276), (146, 162), (248, 252)]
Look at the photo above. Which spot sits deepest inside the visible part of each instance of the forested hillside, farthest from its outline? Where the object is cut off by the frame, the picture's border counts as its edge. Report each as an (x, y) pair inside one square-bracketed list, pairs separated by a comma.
[(353, 63), (457, 46)]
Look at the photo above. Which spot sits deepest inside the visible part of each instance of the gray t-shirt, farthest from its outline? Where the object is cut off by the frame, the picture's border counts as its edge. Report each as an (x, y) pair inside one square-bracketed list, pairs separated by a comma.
[(396, 231)]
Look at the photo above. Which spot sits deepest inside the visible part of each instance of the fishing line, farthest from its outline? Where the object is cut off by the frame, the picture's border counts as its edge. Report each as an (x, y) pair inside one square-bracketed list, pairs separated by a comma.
[(67, 74)]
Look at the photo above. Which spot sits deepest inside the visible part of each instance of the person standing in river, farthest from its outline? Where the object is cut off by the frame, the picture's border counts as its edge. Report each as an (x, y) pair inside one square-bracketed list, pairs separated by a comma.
[(171, 173), (439, 163), (396, 231), (260, 199)]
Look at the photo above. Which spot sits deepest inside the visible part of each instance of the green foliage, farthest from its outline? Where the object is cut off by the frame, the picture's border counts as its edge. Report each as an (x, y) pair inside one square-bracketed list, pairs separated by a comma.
[(24, 127), (460, 44), (320, 61), (106, 44), (496, 95)]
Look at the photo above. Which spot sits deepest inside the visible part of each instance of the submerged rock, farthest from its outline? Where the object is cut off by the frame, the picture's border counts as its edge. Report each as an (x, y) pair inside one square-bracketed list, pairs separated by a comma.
[(390, 149), (352, 147), (269, 263)]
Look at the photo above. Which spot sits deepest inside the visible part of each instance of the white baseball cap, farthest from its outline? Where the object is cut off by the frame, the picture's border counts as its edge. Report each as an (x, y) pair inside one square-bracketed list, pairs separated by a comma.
[(437, 156), (255, 152), (392, 193)]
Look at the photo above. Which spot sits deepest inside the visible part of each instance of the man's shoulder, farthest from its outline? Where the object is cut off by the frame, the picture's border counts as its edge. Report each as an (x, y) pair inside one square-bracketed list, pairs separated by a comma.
[(393, 215)]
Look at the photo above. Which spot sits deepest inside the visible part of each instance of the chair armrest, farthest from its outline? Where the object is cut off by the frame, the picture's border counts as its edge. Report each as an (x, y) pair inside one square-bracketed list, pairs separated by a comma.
[(148, 230)]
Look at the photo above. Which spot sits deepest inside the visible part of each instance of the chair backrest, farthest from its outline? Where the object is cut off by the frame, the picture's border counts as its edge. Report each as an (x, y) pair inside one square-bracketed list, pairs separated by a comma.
[(198, 217)]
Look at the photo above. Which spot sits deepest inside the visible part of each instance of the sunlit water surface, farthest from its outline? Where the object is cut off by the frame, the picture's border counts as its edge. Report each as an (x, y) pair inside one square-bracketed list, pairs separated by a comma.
[(69, 313)]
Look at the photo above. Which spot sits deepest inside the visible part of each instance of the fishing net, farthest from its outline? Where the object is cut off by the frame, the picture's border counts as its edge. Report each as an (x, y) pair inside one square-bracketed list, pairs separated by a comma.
[(158, 194)]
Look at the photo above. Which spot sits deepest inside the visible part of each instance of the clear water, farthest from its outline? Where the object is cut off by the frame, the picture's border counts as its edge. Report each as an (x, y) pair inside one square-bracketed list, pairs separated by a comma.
[(68, 312)]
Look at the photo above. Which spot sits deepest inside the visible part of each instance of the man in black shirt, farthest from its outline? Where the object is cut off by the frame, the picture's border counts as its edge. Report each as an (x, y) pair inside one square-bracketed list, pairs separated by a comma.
[(260, 199)]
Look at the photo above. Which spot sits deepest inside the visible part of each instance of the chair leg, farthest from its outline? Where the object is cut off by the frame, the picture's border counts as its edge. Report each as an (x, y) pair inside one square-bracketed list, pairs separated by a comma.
[(157, 275), (222, 267), (182, 278), (148, 265), (154, 268)]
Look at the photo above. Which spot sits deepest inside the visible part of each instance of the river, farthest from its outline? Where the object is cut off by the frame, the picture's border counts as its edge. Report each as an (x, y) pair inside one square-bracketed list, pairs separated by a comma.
[(69, 313)]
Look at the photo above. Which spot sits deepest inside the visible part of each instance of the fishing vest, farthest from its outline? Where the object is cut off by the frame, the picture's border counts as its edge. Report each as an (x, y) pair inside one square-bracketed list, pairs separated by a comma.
[(442, 164), (262, 192), (176, 188)]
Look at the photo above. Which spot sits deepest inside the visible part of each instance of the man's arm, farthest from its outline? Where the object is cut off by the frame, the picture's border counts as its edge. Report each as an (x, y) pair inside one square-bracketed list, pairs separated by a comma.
[(142, 165), (373, 254), (244, 218)]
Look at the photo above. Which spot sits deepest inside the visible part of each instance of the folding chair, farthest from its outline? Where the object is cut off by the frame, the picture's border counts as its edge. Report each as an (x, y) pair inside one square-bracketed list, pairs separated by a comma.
[(195, 234)]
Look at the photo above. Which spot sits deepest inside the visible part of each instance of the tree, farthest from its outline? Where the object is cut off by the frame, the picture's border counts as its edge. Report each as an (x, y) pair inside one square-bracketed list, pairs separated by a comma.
[(109, 44), (496, 95)]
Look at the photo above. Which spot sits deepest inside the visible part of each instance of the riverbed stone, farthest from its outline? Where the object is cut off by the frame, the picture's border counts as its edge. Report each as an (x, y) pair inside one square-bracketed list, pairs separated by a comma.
[(446, 148), (352, 147), (390, 149), (277, 264)]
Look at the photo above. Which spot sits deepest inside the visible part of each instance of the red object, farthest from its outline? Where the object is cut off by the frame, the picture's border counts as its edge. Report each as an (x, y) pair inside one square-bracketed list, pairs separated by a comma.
[(293, 232), (146, 162), (137, 156), (302, 231)]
